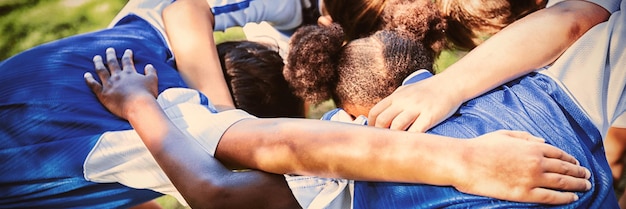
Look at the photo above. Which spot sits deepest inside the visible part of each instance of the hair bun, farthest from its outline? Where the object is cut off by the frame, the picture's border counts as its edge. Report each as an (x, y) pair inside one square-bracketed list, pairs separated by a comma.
[(312, 60)]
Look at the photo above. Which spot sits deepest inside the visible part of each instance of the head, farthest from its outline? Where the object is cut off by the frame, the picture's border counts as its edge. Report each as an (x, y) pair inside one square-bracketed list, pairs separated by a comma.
[(359, 18), (253, 72), (362, 18), (471, 20), (356, 75)]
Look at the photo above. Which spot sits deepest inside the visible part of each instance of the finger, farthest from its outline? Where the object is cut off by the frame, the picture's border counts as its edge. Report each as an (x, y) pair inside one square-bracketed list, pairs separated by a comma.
[(525, 136), (564, 183), (114, 66), (550, 151), (101, 70), (92, 83), (421, 124), (403, 120), (385, 118), (127, 61), (377, 110), (557, 166), (547, 196), (151, 74), (150, 71)]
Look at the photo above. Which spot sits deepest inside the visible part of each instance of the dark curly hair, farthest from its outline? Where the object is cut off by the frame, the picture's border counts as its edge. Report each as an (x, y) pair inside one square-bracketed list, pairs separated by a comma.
[(359, 73), (253, 72)]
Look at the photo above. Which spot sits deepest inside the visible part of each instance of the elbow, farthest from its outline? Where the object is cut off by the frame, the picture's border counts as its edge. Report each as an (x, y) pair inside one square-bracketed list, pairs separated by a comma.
[(209, 195), (578, 16), (241, 193)]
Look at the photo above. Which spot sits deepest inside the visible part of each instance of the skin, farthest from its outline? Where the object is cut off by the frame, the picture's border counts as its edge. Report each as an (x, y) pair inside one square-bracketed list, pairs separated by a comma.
[(531, 168), (614, 145), (189, 28), (178, 156), (491, 64)]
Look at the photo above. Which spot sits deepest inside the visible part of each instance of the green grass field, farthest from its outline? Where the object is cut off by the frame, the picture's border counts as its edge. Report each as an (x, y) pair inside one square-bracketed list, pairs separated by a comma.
[(27, 23)]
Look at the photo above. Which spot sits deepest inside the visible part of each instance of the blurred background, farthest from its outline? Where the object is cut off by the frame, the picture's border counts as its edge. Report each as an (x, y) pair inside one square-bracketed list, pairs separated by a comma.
[(27, 23)]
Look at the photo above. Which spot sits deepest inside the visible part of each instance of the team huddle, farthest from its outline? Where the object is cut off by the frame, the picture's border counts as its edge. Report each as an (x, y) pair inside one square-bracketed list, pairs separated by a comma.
[(152, 105)]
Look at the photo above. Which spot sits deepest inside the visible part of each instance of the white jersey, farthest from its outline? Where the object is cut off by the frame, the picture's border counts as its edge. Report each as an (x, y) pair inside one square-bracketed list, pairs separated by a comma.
[(121, 156), (593, 69), (610, 5), (280, 14)]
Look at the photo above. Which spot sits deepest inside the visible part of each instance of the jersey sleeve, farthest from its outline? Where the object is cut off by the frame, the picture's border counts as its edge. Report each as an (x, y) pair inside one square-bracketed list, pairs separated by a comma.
[(281, 14), (609, 5), (121, 156), (193, 113)]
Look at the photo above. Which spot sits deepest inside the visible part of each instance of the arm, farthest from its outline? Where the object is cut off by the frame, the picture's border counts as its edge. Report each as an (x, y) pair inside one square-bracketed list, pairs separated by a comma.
[(526, 171), (189, 27), (615, 143), (506, 164), (201, 179), (529, 43)]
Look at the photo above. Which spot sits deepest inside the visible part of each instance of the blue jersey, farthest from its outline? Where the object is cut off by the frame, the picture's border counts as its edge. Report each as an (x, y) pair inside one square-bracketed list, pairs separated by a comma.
[(534, 103), (50, 119)]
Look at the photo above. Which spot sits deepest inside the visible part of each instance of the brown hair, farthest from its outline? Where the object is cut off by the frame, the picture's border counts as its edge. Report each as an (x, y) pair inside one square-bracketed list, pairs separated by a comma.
[(253, 72), (470, 20), (362, 18), (361, 72), (358, 18)]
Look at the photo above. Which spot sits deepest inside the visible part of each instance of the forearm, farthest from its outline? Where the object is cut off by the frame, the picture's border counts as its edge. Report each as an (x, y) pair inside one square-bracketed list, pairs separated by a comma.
[(189, 28), (527, 44), (202, 180), (338, 150)]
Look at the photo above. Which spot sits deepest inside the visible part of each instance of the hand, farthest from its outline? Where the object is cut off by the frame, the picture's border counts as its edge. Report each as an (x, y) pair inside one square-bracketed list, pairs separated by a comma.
[(121, 87), (528, 169), (415, 107)]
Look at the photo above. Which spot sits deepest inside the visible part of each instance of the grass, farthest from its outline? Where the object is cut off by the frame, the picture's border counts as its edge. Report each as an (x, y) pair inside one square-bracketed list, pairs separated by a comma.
[(27, 23)]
